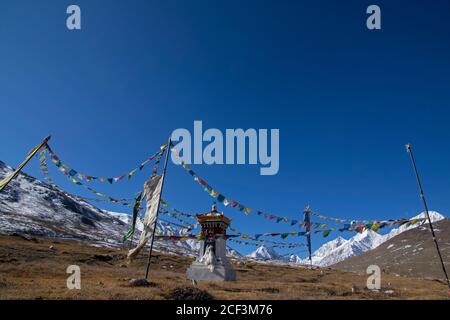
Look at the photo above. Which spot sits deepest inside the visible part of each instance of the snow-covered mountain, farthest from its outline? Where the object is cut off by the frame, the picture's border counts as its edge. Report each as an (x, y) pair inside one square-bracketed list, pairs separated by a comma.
[(29, 206), (434, 216), (232, 253), (360, 243), (327, 247), (264, 253), (411, 253), (341, 249), (293, 258)]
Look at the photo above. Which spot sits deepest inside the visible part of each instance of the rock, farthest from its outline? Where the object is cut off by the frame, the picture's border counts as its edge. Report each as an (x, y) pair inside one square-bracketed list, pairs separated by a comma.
[(355, 288), (103, 258), (25, 237), (139, 283), (188, 293)]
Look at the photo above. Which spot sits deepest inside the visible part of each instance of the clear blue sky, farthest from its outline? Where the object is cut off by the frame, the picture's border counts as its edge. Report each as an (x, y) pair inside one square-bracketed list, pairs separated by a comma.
[(345, 99)]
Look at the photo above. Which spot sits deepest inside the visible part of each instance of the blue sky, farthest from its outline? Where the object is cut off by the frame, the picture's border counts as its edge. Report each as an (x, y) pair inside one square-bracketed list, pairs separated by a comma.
[(346, 99)]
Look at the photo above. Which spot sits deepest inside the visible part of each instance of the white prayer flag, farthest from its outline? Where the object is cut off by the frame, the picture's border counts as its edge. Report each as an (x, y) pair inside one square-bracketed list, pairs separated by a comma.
[(152, 195)]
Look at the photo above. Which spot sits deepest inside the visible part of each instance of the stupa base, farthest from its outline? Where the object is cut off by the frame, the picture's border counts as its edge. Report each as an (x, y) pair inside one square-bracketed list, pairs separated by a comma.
[(200, 272)]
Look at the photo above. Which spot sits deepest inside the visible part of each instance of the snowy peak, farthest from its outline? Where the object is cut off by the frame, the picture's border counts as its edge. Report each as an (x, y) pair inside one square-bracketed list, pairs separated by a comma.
[(234, 254), (356, 245), (264, 253), (329, 246), (434, 217), (293, 258), (367, 238)]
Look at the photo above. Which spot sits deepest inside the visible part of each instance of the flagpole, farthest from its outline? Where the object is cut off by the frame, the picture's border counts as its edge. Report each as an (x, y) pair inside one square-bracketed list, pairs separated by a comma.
[(7, 180), (307, 221), (422, 196), (157, 210)]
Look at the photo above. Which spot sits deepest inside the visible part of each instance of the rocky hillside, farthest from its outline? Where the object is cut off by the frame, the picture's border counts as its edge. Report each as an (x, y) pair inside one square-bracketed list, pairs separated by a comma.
[(340, 249), (411, 253)]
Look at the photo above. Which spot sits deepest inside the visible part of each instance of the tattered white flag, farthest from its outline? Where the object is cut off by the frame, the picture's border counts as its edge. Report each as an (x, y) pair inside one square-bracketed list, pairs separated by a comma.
[(152, 195)]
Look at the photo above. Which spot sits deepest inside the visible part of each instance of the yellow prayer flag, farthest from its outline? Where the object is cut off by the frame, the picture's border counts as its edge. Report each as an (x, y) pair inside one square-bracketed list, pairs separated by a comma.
[(7, 180)]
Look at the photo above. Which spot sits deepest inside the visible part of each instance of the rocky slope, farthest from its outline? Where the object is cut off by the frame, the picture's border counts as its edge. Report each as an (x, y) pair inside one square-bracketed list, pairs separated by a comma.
[(411, 253), (341, 249)]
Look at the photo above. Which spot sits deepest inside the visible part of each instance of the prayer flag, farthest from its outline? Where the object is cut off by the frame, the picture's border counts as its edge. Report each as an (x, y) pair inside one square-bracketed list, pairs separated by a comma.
[(152, 195)]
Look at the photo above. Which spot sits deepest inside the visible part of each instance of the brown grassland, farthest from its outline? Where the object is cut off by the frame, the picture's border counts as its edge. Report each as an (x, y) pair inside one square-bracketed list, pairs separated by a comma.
[(35, 268)]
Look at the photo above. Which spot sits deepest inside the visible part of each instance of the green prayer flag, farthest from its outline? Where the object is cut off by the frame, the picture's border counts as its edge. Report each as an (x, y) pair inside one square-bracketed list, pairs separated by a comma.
[(325, 233), (137, 205)]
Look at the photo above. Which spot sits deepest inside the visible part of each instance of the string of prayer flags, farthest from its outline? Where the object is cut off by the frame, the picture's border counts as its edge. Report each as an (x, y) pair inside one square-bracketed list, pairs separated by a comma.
[(70, 172), (183, 228), (177, 238), (317, 214), (361, 225), (178, 214), (368, 223), (106, 198), (281, 245), (282, 235), (178, 218), (371, 225), (219, 197), (100, 194)]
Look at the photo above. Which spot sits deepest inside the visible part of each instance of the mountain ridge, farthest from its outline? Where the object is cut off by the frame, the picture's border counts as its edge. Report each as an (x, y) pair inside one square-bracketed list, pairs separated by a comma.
[(368, 240), (33, 207), (411, 253)]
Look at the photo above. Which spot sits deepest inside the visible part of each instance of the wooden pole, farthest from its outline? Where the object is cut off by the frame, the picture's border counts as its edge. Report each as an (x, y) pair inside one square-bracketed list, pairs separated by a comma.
[(422, 196), (157, 210), (30, 155)]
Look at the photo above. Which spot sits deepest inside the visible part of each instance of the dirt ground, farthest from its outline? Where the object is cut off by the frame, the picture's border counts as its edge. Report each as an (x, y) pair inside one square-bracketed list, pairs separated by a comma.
[(35, 268)]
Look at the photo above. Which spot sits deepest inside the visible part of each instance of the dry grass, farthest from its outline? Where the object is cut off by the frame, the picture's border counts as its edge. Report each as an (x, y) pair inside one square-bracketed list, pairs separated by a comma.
[(37, 270)]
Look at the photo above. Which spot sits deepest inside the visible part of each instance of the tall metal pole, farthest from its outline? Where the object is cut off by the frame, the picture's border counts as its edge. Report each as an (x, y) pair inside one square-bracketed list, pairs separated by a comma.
[(422, 196), (6, 181), (157, 210)]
